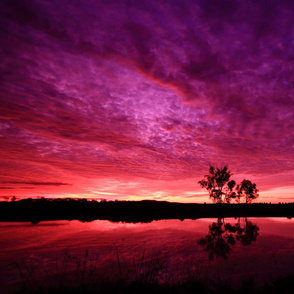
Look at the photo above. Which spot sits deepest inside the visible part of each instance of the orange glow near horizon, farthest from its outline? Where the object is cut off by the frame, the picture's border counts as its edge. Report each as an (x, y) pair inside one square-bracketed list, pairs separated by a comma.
[(159, 193)]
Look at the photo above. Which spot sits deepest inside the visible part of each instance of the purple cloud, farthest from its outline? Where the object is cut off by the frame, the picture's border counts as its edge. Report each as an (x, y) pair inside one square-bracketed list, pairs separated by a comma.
[(145, 89)]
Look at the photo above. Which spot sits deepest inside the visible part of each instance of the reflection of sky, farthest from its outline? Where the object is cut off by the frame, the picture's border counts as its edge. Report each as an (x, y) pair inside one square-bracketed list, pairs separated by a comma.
[(134, 99), (173, 241)]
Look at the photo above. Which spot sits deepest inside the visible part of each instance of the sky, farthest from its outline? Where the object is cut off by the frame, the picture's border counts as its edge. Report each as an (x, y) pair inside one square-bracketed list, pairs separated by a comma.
[(131, 100)]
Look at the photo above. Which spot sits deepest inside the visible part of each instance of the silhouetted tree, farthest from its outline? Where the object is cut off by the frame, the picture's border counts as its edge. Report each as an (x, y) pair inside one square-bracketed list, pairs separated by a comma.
[(248, 190), (218, 184)]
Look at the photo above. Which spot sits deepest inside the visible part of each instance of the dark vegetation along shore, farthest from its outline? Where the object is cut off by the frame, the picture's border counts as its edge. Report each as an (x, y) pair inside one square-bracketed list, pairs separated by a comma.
[(35, 210)]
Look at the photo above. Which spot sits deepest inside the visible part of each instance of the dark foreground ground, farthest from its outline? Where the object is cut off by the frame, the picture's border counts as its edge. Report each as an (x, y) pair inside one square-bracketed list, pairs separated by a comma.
[(281, 285), (35, 210)]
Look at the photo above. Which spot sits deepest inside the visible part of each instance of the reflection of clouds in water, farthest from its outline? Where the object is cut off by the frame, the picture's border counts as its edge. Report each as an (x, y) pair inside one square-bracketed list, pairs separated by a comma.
[(275, 226)]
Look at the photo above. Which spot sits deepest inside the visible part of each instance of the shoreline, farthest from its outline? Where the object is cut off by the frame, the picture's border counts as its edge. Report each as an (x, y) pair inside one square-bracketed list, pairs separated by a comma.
[(36, 210)]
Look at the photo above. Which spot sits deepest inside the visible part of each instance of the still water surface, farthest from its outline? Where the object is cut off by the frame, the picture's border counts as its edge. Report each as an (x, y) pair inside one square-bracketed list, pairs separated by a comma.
[(233, 249)]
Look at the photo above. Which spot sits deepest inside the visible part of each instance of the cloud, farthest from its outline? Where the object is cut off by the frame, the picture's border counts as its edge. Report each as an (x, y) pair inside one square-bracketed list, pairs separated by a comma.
[(145, 89), (35, 183)]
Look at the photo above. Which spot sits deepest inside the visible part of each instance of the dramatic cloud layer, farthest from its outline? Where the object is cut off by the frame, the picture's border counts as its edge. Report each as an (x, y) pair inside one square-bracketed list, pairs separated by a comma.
[(134, 99)]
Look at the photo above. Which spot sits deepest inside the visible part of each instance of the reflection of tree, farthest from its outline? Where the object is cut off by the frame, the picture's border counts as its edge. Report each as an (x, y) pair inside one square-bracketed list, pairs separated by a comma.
[(249, 233), (222, 236)]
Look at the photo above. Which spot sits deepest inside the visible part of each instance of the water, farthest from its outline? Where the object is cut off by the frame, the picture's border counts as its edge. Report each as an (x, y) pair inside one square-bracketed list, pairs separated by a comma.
[(231, 250)]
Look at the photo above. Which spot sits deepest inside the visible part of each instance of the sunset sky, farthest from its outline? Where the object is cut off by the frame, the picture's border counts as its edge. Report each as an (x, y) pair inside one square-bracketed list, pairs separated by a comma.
[(130, 100)]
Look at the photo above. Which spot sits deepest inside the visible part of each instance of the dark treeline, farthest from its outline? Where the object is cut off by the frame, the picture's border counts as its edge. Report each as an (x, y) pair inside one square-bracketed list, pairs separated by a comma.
[(35, 210)]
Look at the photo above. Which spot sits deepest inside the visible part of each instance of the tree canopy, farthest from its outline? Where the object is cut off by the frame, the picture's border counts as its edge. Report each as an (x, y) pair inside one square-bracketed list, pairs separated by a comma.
[(223, 190), (248, 190)]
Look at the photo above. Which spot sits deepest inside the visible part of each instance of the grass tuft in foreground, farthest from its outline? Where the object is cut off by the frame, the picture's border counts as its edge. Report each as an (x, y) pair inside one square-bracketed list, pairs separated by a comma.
[(149, 274)]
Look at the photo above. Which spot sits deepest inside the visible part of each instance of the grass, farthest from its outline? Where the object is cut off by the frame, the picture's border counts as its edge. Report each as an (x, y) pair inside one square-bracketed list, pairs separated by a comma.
[(149, 274)]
